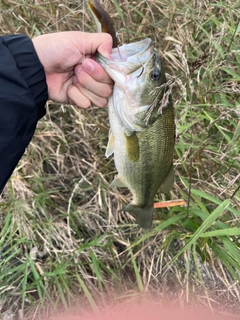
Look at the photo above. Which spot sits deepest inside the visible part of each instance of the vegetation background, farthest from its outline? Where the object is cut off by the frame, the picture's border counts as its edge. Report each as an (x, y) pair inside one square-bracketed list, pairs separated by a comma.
[(64, 245)]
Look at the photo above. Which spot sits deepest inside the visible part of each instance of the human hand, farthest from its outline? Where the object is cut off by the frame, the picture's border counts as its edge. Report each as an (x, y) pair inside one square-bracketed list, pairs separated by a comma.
[(72, 74)]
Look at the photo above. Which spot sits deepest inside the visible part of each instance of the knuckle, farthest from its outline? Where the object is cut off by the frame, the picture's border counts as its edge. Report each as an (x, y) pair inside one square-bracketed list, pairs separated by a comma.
[(108, 37)]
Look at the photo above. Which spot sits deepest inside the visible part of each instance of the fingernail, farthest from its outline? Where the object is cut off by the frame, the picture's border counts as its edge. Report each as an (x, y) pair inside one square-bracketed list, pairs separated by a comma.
[(88, 66), (107, 55), (78, 68)]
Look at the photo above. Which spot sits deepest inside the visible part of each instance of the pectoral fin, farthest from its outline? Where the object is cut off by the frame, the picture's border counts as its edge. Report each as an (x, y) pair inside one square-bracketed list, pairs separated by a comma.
[(132, 146), (167, 184), (110, 144)]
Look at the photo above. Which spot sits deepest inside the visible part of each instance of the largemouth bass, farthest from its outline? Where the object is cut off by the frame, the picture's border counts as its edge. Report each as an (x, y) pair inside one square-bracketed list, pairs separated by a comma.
[(142, 126)]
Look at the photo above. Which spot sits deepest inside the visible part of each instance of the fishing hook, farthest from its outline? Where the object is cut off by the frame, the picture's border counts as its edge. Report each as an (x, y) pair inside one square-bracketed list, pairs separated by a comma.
[(142, 68)]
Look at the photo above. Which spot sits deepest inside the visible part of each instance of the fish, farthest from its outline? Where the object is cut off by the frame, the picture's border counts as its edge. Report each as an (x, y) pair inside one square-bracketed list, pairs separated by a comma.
[(141, 117)]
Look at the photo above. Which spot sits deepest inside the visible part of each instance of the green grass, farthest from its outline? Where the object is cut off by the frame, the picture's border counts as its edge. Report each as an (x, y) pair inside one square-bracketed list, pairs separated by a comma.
[(58, 204)]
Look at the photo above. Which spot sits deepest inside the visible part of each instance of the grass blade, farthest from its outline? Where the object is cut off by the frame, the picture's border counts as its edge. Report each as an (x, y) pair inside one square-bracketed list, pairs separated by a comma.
[(137, 274), (229, 232), (88, 296), (205, 225)]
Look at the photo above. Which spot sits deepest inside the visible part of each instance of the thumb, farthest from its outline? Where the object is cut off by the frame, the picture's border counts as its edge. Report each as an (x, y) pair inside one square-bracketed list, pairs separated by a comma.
[(104, 45), (89, 43)]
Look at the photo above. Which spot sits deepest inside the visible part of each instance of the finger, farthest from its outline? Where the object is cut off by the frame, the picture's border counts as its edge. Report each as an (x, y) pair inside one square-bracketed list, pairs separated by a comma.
[(101, 42), (98, 88), (95, 70), (105, 45), (77, 97), (95, 99)]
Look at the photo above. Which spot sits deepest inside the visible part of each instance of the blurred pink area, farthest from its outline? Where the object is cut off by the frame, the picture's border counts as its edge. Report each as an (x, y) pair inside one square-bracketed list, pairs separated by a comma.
[(148, 312)]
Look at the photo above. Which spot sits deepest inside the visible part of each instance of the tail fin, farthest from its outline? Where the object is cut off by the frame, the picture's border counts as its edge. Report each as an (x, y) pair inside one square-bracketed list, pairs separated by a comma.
[(143, 216)]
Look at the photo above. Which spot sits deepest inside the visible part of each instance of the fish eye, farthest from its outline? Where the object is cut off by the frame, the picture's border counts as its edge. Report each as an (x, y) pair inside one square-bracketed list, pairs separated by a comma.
[(155, 74)]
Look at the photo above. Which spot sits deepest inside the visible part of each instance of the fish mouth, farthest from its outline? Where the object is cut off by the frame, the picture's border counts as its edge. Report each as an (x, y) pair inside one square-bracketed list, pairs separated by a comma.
[(131, 52), (128, 58)]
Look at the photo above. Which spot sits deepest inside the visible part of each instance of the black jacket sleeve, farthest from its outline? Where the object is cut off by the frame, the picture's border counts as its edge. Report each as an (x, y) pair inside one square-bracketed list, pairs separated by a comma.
[(23, 94)]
